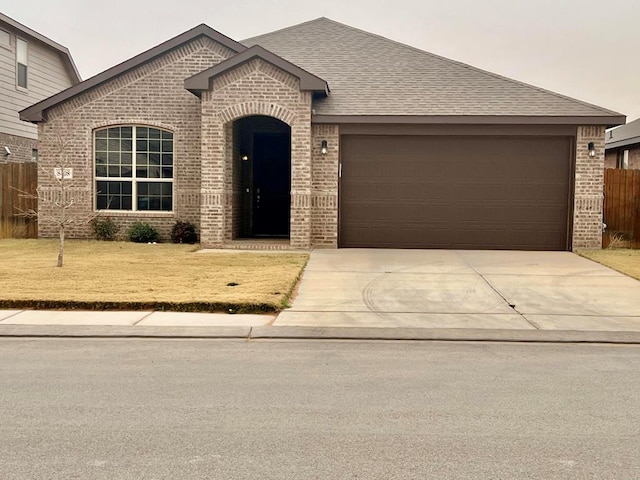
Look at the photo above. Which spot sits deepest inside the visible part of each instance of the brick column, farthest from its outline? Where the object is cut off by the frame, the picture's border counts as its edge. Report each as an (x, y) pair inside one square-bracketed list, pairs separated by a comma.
[(324, 193), (588, 192), (300, 235), (213, 176)]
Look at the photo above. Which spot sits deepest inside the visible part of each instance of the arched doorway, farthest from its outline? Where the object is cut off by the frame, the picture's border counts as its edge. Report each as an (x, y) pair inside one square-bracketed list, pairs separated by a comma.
[(261, 178)]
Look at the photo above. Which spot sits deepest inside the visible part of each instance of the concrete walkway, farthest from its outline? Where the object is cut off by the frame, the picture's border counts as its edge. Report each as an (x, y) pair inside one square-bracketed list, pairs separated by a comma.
[(401, 294)]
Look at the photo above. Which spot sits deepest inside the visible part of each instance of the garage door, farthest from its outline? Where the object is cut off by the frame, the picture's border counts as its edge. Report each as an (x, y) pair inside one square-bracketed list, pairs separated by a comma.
[(455, 192)]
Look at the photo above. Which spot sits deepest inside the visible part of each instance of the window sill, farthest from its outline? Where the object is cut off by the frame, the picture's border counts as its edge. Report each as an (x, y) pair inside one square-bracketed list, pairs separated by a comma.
[(137, 213)]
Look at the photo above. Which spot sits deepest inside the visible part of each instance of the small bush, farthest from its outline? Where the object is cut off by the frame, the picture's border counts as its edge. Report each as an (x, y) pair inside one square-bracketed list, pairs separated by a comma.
[(103, 228), (142, 233), (184, 232)]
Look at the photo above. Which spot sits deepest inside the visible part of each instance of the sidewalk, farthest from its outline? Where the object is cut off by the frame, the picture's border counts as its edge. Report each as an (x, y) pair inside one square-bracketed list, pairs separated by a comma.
[(146, 324)]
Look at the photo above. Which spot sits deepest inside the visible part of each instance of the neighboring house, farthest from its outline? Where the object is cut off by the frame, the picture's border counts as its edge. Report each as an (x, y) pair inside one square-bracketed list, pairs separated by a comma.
[(32, 68), (326, 135), (623, 146)]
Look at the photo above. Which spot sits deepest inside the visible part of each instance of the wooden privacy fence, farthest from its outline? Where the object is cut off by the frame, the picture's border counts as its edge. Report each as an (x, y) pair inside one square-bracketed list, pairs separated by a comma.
[(621, 208), (16, 177)]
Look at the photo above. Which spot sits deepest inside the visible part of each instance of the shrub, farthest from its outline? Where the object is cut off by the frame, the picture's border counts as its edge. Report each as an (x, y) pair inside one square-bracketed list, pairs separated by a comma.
[(184, 232), (103, 228), (143, 233)]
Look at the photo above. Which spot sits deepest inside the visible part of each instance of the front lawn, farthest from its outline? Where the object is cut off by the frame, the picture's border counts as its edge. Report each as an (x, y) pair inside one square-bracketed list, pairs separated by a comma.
[(122, 275), (624, 260)]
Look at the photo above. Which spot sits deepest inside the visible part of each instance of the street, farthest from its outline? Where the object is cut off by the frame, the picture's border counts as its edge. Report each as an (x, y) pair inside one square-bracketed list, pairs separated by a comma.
[(231, 409)]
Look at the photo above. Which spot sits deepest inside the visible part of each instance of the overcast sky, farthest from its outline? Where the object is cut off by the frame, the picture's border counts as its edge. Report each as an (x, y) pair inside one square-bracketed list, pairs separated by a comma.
[(585, 49)]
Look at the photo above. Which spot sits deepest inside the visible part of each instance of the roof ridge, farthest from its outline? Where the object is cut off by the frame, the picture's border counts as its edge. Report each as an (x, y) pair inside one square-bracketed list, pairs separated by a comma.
[(456, 62), (287, 28)]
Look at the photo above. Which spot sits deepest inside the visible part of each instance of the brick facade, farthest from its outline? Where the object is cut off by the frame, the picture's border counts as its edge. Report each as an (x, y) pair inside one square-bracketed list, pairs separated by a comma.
[(209, 177), (612, 155), (21, 148), (152, 95), (255, 88), (588, 189)]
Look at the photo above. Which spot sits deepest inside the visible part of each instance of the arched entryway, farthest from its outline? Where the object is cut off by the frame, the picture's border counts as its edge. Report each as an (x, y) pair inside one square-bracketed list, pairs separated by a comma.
[(261, 178)]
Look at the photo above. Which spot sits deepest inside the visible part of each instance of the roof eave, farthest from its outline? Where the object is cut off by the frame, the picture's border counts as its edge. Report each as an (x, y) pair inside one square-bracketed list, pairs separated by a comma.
[(470, 119), (35, 113), (202, 81), (64, 51)]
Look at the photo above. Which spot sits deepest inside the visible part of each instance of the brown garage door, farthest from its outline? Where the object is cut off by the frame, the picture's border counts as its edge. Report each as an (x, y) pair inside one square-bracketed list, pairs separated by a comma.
[(455, 192)]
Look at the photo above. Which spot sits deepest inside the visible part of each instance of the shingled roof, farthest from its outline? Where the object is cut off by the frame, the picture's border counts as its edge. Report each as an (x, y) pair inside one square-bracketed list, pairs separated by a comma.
[(628, 134), (370, 75)]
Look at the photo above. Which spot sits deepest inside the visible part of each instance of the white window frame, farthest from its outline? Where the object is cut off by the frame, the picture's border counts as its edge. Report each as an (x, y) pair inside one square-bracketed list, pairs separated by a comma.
[(20, 41), (134, 178)]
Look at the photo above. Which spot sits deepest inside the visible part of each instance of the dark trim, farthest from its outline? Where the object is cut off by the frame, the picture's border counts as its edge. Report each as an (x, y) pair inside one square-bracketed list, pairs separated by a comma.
[(471, 119), (36, 113), (63, 51), (622, 143), (457, 129), (203, 80)]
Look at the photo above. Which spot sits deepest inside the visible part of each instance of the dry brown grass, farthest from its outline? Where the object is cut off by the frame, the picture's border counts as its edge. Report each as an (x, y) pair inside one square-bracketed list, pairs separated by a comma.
[(623, 260), (126, 273)]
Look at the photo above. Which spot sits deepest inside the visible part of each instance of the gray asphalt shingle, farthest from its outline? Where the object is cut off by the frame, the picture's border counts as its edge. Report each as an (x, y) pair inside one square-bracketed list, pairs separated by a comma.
[(372, 75)]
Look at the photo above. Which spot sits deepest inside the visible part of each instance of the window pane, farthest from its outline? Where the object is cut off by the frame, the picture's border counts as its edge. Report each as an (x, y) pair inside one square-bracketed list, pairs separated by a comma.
[(154, 145), (141, 171), (126, 145), (22, 75), (167, 159), (101, 134), (167, 172), (167, 135), (142, 145), (101, 171), (114, 145), (155, 196), (114, 132), (101, 158), (101, 145), (125, 158), (154, 159), (167, 146), (5, 38), (126, 132), (154, 133), (113, 195), (153, 172), (142, 132)]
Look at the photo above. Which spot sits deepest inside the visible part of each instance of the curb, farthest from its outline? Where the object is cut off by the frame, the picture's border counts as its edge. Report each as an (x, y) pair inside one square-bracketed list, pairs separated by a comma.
[(320, 333)]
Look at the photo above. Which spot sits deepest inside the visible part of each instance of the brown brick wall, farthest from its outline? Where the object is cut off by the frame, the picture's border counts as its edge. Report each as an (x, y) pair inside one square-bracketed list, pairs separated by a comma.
[(611, 157), (589, 176), (254, 88), (21, 148), (154, 95), (324, 192)]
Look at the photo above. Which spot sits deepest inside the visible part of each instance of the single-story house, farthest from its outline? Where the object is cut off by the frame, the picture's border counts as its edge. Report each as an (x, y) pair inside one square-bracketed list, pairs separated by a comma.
[(323, 135), (622, 146)]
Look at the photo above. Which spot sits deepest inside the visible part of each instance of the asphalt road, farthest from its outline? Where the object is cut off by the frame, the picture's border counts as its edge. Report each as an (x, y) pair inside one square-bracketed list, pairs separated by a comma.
[(184, 409)]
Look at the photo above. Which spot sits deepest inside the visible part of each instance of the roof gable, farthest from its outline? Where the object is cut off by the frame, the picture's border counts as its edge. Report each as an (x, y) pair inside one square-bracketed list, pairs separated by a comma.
[(63, 51), (308, 82), (35, 113), (373, 76)]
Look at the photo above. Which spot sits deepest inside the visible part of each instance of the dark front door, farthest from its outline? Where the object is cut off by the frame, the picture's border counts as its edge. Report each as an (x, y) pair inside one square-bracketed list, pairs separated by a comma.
[(271, 184)]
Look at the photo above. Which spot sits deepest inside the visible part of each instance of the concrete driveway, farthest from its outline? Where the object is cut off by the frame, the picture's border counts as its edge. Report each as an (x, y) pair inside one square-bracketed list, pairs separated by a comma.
[(463, 289)]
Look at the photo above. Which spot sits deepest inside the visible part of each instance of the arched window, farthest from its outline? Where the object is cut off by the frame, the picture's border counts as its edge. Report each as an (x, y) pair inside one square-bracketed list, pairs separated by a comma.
[(133, 168)]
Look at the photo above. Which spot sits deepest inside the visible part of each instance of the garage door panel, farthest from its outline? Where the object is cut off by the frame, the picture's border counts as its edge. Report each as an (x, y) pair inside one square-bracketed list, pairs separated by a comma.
[(455, 192)]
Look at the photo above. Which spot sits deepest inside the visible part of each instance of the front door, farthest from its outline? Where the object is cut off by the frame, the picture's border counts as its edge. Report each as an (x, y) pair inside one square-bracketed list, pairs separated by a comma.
[(271, 184)]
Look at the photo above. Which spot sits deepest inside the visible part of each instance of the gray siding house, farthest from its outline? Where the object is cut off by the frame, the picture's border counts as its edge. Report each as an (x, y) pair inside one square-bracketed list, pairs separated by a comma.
[(32, 68), (323, 135)]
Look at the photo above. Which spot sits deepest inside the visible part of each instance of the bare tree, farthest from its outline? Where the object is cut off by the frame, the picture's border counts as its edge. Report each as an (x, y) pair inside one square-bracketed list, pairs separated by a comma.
[(56, 202)]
